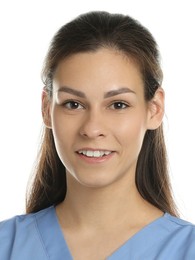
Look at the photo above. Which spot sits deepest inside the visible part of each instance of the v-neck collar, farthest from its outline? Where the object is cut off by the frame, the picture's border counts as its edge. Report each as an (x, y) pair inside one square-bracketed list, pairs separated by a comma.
[(57, 248), (52, 236), (143, 241)]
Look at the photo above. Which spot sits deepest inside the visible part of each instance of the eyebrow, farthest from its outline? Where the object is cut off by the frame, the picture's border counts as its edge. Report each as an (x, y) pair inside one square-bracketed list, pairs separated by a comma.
[(118, 92), (108, 94), (72, 91)]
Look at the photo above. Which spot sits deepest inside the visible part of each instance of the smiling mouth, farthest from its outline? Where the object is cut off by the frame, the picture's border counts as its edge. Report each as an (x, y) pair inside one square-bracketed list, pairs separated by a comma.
[(94, 154)]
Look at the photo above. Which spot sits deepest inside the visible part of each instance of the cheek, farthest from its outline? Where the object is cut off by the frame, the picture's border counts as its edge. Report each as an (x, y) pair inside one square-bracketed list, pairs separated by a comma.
[(63, 131), (63, 139), (62, 124), (132, 132)]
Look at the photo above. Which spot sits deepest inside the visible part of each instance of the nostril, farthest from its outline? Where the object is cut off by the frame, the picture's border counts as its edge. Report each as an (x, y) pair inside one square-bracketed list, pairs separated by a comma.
[(93, 126), (93, 134)]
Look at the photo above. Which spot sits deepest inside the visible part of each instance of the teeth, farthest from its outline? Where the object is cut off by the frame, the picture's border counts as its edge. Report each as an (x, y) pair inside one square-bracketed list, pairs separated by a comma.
[(94, 153)]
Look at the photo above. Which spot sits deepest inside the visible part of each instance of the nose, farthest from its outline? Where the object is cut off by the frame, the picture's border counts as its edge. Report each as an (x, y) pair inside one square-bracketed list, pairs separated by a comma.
[(93, 126)]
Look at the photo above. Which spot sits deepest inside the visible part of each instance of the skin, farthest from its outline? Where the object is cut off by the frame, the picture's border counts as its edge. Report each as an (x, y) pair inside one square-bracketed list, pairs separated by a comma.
[(98, 104)]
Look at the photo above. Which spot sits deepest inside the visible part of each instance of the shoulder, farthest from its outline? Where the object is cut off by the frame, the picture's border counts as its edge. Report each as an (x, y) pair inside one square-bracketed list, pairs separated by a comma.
[(21, 222), (18, 230), (180, 236), (175, 223)]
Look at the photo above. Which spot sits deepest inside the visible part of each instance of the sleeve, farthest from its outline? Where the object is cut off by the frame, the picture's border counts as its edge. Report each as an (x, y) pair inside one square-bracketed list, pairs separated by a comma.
[(20, 240), (189, 252), (7, 234)]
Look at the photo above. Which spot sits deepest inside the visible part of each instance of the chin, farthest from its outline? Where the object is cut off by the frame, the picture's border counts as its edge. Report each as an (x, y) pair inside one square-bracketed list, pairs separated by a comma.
[(92, 182)]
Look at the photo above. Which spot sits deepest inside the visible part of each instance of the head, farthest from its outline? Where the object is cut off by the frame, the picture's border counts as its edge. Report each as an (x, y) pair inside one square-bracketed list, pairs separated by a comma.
[(89, 34)]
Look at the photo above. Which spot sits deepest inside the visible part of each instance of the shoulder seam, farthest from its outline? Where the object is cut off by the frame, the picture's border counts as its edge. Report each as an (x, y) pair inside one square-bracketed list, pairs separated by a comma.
[(179, 221)]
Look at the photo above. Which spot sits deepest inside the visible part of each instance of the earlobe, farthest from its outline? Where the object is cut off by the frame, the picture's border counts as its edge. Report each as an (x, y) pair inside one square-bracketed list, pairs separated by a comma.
[(46, 109), (156, 109)]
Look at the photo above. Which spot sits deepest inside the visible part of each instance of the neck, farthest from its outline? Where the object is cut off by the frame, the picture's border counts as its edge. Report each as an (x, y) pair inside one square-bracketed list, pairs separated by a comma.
[(119, 203)]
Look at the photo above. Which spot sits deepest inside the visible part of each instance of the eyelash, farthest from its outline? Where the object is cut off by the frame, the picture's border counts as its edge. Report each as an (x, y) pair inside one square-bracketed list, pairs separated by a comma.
[(70, 103), (123, 105)]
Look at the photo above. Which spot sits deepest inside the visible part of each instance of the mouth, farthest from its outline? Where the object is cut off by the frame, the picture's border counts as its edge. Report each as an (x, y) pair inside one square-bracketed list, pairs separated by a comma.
[(94, 153), (93, 156)]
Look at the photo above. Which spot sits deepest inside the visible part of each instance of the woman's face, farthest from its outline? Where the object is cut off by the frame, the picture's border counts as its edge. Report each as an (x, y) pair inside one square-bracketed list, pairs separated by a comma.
[(98, 117)]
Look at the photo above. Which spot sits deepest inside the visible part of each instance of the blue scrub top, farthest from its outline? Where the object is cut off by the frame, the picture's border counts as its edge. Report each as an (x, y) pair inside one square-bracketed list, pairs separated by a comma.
[(38, 236)]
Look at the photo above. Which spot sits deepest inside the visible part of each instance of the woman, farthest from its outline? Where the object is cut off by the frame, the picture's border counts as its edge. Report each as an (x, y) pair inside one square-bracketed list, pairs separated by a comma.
[(101, 188)]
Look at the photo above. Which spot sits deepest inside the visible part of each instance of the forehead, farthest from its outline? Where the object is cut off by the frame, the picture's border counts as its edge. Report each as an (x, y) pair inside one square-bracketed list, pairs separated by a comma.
[(102, 68)]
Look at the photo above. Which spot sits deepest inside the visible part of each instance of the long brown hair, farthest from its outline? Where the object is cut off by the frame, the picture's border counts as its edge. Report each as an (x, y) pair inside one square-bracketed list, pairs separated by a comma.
[(88, 33)]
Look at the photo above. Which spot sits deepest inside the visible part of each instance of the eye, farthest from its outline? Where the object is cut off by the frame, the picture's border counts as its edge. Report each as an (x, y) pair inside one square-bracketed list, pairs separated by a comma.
[(119, 105), (72, 105)]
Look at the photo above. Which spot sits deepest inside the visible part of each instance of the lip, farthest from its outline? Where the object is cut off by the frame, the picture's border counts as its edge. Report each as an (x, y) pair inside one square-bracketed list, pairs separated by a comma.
[(95, 160), (93, 149)]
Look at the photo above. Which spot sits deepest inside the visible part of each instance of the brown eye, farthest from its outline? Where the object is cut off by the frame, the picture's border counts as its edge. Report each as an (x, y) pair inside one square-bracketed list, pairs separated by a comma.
[(72, 105), (119, 105)]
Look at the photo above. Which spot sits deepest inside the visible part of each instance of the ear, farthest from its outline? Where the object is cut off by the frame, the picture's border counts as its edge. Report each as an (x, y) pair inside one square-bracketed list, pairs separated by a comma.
[(156, 109), (46, 107)]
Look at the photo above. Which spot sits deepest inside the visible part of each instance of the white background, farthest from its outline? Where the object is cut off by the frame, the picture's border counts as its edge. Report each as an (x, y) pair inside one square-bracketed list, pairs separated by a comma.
[(26, 28)]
